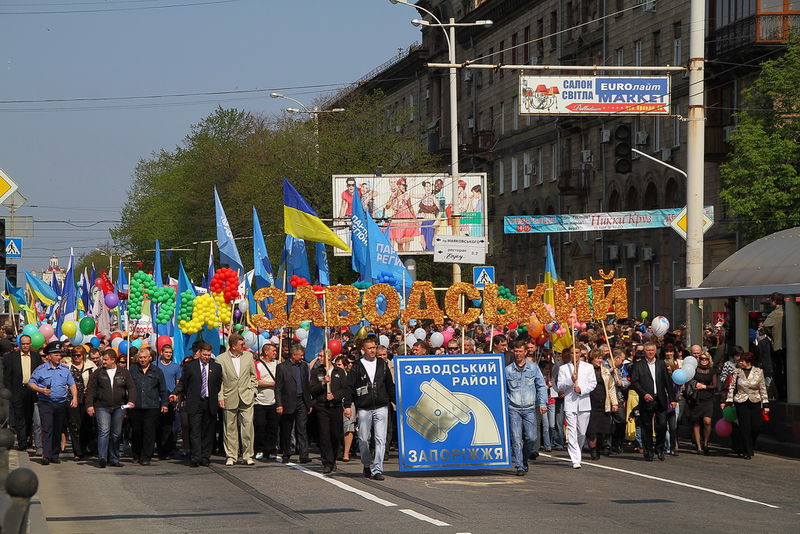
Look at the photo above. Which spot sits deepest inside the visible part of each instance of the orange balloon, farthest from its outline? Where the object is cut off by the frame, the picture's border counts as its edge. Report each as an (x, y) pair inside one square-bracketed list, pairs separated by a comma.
[(535, 328)]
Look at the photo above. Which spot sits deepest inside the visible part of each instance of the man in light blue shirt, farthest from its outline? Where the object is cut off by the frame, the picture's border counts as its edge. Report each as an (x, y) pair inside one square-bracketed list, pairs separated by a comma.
[(526, 391), (168, 425), (55, 385)]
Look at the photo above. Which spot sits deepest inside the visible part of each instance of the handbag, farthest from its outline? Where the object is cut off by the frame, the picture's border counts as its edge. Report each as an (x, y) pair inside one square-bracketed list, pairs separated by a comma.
[(690, 392)]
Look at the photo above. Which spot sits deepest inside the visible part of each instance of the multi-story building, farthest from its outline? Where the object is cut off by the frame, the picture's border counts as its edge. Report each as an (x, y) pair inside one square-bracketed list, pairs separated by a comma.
[(565, 164)]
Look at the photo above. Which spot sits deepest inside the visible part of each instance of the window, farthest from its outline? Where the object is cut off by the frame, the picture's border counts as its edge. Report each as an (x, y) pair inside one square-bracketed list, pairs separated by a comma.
[(515, 111), (553, 30), (539, 166), (526, 48), (501, 178), (502, 118), (553, 162), (501, 57), (656, 134), (540, 38), (491, 71), (656, 47), (526, 170), (637, 55), (677, 55), (619, 53), (514, 49), (676, 129), (514, 171), (411, 109)]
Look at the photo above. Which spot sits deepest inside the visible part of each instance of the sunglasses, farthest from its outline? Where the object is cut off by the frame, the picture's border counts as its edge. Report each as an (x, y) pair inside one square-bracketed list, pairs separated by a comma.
[(452, 348)]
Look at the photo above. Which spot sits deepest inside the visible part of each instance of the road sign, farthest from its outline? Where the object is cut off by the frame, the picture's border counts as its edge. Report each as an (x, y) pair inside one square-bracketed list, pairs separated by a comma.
[(7, 186), (679, 223), (482, 276), (459, 249), (13, 247), (19, 225)]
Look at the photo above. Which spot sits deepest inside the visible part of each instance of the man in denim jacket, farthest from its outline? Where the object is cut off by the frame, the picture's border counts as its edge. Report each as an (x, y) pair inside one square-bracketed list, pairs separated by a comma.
[(526, 390)]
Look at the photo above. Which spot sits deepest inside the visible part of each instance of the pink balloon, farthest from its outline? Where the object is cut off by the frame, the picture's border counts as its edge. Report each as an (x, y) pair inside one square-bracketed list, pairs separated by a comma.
[(723, 428), (47, 331), (51, 339), (448, 335)]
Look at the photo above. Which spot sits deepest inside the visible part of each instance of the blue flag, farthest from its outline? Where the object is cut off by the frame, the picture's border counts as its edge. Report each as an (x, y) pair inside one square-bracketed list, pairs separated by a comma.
[(86, 290), (294, 259), (182, 343), (262, 270), (315, 341), (323, 272), (159, 280), (359, 240), (69, 305), (210, 266), (228, 253), (383, 258)]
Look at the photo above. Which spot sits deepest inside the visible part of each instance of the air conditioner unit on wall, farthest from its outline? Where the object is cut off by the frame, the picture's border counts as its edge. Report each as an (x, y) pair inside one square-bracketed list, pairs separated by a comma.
[(630, 251), (467, 75), (605, 135), (586, 156), (530, 169), (613, 253), (647, 254), (470, 123), (641, 137), (666, 154)]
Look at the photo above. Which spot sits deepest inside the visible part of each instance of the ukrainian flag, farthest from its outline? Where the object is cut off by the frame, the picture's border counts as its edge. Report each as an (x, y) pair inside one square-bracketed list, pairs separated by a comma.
[(16, 297), (550, 278), (43, 292), (301, 221)]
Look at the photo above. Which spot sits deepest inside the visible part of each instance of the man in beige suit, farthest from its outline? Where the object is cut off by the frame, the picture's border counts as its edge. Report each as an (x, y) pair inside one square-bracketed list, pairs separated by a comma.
[(239, 386)]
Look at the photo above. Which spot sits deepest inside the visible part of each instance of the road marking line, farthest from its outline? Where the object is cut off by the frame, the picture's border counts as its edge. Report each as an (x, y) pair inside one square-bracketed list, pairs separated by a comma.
[(423, 517), (339, 484), (651, 477)]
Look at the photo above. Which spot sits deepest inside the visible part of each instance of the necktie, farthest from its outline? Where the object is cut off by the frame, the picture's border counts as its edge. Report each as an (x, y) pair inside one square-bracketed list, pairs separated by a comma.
[(204, 384)]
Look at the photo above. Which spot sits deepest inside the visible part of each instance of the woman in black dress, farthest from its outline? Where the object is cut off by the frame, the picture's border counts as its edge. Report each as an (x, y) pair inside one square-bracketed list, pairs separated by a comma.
[(604, 401), (701, 410)]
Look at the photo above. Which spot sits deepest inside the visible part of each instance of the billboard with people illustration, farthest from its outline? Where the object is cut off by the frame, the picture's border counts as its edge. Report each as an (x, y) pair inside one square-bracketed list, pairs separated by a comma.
[(413, 208)]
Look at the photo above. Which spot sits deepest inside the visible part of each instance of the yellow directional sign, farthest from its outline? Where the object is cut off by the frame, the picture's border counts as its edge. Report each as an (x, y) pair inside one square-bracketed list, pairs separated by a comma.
[(679, 223), (7, 186)]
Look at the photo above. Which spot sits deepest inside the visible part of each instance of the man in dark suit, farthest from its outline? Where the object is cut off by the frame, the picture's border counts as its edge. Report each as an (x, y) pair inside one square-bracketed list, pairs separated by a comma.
[(18, 367), (651, 381), (293, 402), (328, 384), (200, 385)]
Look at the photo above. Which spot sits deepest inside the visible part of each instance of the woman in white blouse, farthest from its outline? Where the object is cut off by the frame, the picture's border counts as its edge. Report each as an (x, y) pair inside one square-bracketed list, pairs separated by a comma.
[(748, 392)]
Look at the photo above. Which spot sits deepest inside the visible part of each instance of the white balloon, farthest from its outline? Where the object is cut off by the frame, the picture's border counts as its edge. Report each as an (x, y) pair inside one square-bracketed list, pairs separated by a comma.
[(116, 341), (249, 338), (304, 342), (384, 341), (690, 361), (689, 372), (77, 339), (437, 339), (243, 306), (152, 339), (419, 333), (410, 340), (301, 334), (274, 339), (660, 325)]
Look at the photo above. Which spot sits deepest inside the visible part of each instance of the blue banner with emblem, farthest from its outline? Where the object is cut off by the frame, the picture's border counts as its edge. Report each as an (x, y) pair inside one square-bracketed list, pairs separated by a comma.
[(451, 412)]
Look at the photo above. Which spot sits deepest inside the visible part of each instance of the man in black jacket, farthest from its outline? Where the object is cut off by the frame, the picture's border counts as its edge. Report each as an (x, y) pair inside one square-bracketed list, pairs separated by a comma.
[(18, 367), (293, 402), (200, 385), (651, 381), (328, 384), (371, 387), (151, 389)]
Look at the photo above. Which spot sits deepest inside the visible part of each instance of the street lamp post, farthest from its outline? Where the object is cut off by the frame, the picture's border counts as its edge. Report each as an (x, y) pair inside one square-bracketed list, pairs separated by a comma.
[(315, 113), (449, 30)]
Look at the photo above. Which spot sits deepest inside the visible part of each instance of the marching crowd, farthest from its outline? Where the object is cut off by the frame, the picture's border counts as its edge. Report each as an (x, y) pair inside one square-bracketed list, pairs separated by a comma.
[(607, 395)]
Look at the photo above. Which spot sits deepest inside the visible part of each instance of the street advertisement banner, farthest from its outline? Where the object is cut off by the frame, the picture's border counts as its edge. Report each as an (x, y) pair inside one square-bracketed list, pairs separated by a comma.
[(594, 95), (412, 209), (451, 412), (588, 222)]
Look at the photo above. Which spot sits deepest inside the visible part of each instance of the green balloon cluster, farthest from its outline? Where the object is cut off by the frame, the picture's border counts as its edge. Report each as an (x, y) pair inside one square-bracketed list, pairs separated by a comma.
[(187, 306), (165, 296), (141, 284), (504, 292)]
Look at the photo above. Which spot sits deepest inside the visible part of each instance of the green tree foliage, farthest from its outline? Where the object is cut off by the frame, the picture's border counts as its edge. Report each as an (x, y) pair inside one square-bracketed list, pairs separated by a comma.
[(246, 156), (760, 182)]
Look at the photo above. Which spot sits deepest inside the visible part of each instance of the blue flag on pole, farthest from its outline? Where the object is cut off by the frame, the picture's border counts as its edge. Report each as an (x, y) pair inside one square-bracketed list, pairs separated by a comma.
[(159, 280), (321, 259), (211, 270), (262, 275), (359, 240), (383, 258), (294, 258), (86, 290), (181, 342), (228, 253), (68, 306)]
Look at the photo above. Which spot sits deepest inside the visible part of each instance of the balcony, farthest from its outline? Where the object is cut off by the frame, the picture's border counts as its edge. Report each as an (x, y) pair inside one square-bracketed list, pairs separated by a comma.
[(757, 29), (574, 181)]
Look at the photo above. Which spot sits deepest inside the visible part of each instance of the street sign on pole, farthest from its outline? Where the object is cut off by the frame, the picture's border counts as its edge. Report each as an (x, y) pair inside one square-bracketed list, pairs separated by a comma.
[(19, 225), (679, 223), (13, 247), (7, 186), (482, 276), (459, 249)]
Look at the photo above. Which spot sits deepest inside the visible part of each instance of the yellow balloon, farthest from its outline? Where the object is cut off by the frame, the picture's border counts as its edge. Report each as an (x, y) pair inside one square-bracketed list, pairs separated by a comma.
[(361, 333), (69, 328)]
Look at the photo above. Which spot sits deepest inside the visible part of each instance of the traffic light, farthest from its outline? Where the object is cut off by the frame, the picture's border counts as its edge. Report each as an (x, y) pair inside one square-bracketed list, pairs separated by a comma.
[(622, 149), (3, 243), (11, 273)]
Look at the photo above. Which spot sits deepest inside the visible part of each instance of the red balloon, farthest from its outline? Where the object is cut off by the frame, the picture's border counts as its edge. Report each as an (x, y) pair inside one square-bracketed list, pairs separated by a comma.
[(163, 340), (336, 346), (115, 335), (99, 283), (541, 340)]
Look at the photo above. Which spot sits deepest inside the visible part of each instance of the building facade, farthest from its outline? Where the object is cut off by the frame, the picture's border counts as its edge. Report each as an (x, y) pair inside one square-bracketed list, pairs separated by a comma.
[(565, 164)]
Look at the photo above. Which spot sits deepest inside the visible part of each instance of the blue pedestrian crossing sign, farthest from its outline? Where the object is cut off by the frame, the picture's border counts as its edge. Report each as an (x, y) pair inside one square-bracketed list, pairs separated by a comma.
[(13, 247), (482, 276)]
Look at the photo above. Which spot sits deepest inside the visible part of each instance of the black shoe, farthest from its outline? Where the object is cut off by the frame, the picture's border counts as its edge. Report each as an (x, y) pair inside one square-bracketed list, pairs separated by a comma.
[(205, 462), (21, 447), (45, 461), (367, 472), (303, 460), (136, 459), (101, 464), (192, 463), (593, 453), (285, 458), (327, 469), (377, 476), (520, 472), (648, 456), (661, 455), (145, 462), (55, 460), (706, 451), (114, 463)]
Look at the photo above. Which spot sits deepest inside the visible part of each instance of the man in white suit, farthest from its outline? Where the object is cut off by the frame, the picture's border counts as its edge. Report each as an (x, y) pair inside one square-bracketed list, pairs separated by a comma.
[(236, 396), (576, 385)]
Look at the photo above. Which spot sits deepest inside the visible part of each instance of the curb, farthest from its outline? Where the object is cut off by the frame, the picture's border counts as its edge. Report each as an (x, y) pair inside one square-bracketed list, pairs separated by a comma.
[(37, 523)]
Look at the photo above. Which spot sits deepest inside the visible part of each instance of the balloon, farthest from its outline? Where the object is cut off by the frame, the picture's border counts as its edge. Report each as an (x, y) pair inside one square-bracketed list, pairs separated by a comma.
[(29, 329), (301, 334), (237, 315), (37, 341), (115, 342), (112, 300), (115, 335), (729, 413), (535, 327), (679, 376), (77, 339), (87, 325), (552, 328), (335, 346), (95, 341), (542, 339), (137, 343), (46, 330), (161, 341), (123, 347), (384, 340), (249, 338), (243, 306), (361, 333), (448, 335), (644, 314), (437, 339), (723, 428), (305, 324), (689, 361), (410, 340), (660, 325), (304, 342), (419, 333)]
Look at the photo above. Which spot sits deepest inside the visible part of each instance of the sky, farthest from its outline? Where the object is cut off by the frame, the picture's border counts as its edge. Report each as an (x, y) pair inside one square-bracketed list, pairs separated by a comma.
[(74, 159)]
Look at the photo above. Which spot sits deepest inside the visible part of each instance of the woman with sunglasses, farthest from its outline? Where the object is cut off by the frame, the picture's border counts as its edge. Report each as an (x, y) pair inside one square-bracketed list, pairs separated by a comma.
[(701, 410)]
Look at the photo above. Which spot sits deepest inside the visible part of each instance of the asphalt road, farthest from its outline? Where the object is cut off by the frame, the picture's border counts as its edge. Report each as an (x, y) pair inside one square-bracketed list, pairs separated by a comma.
[(618, 494)]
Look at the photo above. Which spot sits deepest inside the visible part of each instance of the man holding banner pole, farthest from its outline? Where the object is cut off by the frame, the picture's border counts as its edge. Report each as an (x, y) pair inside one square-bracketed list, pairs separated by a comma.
[(525, 389)]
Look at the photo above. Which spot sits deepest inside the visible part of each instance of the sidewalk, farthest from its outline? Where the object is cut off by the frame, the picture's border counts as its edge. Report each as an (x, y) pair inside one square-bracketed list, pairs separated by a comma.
[(37, 524)]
